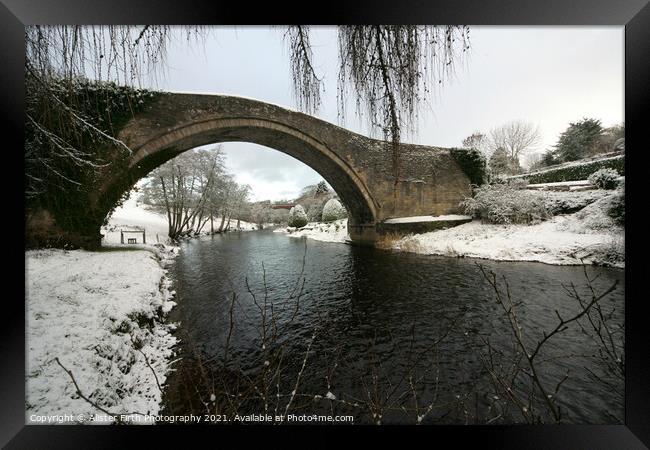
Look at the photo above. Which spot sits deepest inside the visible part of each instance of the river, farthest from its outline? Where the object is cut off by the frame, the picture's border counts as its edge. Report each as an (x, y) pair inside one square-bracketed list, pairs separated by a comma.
[(384, 336)]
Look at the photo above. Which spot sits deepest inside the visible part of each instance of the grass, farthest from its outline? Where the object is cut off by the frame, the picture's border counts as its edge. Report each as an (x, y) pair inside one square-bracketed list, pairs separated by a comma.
[(388, 240)]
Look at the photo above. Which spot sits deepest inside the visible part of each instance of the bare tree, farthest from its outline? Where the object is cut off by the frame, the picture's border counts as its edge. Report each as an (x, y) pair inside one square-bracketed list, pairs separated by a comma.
[(478, 141), (182, 187), (516, 138), (519, 374)]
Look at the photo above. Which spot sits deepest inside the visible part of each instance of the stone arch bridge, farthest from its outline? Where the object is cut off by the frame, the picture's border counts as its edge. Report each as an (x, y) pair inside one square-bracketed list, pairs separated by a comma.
[(359, 169)]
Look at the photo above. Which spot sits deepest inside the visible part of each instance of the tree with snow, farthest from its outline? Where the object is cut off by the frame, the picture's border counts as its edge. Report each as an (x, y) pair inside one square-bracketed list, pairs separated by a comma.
[(580, 139), (502, 164), (321, 188), (516, 138), (604, 178), (297, 217), (333, 210), (315, 211)]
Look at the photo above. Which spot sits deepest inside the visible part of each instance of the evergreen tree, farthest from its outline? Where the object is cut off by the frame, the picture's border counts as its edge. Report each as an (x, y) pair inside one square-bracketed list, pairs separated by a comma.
[(503, 164), (579, 140), (549, 158), (321, 188)]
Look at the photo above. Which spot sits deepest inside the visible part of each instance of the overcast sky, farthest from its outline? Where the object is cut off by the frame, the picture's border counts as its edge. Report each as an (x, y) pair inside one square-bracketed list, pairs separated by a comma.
[(550, 76)]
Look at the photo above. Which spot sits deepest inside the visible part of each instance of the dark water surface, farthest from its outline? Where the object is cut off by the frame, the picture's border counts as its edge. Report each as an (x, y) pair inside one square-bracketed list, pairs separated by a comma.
[(377, 316)]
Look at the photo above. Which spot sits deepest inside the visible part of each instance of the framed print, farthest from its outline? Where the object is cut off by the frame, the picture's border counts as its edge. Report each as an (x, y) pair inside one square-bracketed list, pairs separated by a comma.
[(391, 221)]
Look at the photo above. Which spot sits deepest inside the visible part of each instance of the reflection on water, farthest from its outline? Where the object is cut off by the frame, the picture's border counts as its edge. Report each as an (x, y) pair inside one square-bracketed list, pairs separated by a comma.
[(377, 316)]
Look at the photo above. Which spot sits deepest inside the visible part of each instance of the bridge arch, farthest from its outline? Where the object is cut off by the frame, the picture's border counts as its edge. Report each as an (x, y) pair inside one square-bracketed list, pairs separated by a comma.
[(152, 146), (296, 143)]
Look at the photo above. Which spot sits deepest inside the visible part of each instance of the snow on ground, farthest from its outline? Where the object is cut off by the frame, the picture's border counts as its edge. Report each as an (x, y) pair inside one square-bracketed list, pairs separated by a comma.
[(587, 236), (134, 215), (336, 231), (243, 226), (571, 201), (99, 313)]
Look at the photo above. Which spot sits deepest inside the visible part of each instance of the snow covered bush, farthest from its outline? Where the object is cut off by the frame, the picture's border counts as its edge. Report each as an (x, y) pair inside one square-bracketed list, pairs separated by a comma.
[(297, 217), (565, 202), (499, 203), (498, 179), (333, 210), (604, 178), (518, 183), (617, 207), (315, 212)]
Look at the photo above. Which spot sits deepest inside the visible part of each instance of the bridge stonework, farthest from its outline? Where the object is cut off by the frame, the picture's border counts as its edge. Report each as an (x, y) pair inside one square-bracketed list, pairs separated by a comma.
[(360, 169)]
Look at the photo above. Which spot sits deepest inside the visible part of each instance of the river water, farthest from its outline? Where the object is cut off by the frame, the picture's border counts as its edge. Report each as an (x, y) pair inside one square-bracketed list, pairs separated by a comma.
[(384, 336)]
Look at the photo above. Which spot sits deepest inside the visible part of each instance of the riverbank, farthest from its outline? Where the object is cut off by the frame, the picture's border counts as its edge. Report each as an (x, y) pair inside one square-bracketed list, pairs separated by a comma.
[(336, 231), (588, 236), (97, 319)]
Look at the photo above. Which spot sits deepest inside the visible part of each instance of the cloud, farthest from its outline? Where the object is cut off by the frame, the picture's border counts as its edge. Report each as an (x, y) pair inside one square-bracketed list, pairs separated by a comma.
[(272, 175)]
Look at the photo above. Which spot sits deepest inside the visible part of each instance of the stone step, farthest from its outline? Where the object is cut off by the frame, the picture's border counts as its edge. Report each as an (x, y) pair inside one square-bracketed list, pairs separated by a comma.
[(420, 224)]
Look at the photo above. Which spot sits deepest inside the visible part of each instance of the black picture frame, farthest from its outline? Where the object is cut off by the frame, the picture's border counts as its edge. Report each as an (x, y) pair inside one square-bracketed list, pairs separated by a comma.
[(634, 15)]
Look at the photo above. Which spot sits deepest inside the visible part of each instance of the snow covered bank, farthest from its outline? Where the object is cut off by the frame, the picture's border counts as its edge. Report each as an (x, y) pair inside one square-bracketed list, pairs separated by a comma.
[(336, 231), (588, 236), (134, 215), (98, 315)]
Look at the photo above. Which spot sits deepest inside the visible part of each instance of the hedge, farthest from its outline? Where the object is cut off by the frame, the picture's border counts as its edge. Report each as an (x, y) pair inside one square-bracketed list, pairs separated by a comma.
[(575, 172), (472, 162)]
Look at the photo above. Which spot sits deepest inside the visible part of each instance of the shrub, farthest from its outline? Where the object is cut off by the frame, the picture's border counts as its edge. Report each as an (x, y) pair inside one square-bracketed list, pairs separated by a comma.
[(617, 208), (333, 210), (297, 217), (518, 183), (498, 179), (561, 203), (604, 178), (315, 212), (504, 204)]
